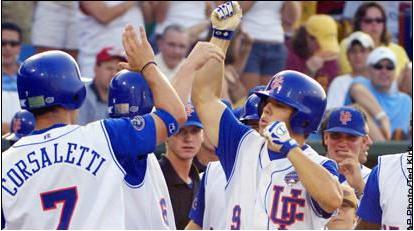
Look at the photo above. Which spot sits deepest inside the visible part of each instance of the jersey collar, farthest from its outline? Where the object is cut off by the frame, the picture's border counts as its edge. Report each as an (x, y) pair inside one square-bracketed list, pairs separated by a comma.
[(35, 132)]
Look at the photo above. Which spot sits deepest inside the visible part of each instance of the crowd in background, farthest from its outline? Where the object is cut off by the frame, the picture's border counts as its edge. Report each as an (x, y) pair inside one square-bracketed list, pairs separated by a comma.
[(331, 42)]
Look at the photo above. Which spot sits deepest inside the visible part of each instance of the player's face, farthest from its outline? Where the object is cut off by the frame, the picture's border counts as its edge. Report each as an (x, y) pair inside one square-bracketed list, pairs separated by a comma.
[(104, 72), (10, 47), (345, 218), (274, 111), (341, 145), (187, 142), (174, 47)]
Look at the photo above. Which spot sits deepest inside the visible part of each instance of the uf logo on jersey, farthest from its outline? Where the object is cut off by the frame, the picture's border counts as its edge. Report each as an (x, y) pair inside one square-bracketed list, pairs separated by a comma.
[(284, 209)]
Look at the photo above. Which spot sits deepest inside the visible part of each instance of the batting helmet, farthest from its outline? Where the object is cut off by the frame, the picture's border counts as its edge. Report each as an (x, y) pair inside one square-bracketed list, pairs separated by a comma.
[(300, 92), (48, 79), (129, 95), (250, 109), (22, 124)]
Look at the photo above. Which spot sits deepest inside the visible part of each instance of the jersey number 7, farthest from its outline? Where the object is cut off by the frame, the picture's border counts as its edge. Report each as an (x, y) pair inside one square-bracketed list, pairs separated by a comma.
[(67, 196)]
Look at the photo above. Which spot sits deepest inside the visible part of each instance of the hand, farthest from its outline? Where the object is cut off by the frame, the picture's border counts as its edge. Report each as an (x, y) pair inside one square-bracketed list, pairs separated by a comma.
[(201, 53), (385, 127), (279, 138), (314, 63), (137, 48), (350, 168), (227, 16)]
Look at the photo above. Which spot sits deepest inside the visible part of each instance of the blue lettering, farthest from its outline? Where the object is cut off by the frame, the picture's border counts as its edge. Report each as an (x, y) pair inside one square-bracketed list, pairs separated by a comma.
[(45, 158), (84, 149), (33, 161), (97, 168), (70, 150), (22, 167), (60, 159), (6, 189), (95, 154), (9, 174)]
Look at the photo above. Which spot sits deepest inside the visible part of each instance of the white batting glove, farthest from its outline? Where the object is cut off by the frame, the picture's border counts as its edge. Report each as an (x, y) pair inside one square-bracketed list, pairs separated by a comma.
[(278, 134), (225, 19)]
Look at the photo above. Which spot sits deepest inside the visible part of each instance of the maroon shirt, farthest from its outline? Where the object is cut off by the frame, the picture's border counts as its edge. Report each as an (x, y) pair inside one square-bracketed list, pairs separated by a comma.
[(324, 75)]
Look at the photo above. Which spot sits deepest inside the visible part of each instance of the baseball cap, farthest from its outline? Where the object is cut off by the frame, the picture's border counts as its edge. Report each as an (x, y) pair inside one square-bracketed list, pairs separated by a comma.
[(346, 120), (349, 196), (192, 117), (379, 54), (22, 124), (109, 53), (363, 38), (324, 29)]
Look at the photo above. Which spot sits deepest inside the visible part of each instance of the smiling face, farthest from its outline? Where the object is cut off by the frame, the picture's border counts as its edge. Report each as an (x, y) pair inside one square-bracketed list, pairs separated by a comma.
[(339, 145), (10, 46), (382, 74), (274, 111), (186, 143)]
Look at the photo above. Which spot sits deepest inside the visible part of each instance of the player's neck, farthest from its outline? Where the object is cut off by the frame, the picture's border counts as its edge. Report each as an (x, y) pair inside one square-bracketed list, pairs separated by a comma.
[(57, 116), (181, 167)]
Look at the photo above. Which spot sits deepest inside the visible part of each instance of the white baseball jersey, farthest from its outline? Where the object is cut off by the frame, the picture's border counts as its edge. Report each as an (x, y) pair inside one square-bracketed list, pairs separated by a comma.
[(386, 195), (263, 190), (209, 205), (97, 176)]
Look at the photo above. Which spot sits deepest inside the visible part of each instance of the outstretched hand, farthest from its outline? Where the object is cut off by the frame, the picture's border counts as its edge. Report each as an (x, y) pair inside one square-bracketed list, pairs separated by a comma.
[(137, 48), (227, 16)]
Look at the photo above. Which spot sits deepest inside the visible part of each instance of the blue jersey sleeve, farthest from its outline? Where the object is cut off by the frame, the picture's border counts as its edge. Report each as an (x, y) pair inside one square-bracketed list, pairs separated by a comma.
[(197, 210), (131, 137), (369, 209), (231, 131), (331, 166)]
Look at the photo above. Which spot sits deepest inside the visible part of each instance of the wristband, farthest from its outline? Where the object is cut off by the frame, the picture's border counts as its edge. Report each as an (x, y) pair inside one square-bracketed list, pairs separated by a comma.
[(380, 115), (287, 146), (223, 34), (169, 121), (146, 65)]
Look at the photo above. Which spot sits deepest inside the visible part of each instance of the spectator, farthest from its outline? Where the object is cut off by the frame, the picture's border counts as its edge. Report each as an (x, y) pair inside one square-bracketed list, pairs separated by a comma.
[(20, 13), (11, 38), (100, 24), (265, 21), (95, 105), (174, 46), (183, 13), (405, 81), (370, 18), (377, 90), (55, 27), (314, 48), (180, 174), (359, 45)]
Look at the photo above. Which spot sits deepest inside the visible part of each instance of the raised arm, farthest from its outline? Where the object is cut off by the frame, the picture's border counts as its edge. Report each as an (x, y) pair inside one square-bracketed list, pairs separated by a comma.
[(141, 59), (208, 80)]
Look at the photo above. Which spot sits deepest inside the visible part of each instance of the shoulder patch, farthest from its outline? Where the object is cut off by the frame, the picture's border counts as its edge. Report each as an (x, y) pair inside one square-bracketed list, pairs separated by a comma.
[(138, 123)]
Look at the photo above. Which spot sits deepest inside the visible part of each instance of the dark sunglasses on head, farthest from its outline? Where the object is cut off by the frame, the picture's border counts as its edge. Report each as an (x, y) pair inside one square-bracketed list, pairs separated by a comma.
[(11, 43), (389, 67), (371, 20)]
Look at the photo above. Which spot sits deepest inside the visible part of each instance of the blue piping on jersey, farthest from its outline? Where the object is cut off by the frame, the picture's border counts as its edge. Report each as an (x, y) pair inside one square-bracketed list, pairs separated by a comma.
[(260, 155), (267, 190), (237, 156), (23, 145), (206, 174)]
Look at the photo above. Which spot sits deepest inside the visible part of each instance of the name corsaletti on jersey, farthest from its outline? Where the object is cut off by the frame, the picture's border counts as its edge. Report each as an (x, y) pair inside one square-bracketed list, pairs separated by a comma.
[(77, 155)]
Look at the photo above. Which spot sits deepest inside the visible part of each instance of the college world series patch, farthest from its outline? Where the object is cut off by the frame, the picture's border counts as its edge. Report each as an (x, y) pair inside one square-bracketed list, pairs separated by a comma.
[(138, 123)]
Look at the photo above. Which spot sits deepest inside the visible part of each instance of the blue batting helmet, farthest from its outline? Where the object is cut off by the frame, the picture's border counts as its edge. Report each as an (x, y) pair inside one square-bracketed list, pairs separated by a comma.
[(250, 109), (51, 78), (300, 92), (22, 124), (129, 95)]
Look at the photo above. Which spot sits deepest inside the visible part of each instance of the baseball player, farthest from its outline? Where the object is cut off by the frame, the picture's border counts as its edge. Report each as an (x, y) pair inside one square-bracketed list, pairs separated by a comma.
[(68, 176), (273, 182), (208, 206), (22, 124), (385, 203), (345, 137), (129, 96)]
